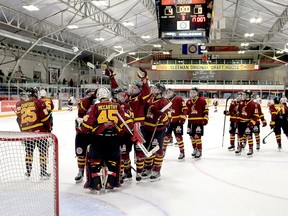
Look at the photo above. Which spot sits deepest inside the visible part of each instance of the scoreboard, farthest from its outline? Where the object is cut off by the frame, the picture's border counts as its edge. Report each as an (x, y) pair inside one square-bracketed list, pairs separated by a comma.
[(182, 19)]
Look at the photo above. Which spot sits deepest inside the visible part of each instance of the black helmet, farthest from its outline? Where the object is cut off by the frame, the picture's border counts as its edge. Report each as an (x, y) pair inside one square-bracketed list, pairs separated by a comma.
[(161, 87), (195, 89), (248, 92), (116, 91), (276, 100), (32, 92)]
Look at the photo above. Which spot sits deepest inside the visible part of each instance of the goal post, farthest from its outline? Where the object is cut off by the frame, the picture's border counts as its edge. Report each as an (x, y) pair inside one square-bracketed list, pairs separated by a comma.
[(29, 179)]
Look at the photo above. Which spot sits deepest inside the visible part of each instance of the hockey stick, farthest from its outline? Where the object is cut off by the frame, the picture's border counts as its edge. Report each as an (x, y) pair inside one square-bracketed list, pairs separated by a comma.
[(263, 141), (141, 146), (225, 119), (162, 110)]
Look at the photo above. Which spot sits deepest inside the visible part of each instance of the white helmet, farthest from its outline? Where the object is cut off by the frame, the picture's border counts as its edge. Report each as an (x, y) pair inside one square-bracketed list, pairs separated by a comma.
[(103, 92), (43, 93)]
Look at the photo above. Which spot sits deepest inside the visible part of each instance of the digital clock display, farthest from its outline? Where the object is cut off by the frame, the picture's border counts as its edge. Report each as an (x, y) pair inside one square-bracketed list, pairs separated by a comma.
[(183, 9)]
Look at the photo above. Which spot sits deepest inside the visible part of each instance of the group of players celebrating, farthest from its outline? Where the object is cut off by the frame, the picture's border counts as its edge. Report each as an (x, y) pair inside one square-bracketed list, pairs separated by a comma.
[(245, 117), (142, 118)]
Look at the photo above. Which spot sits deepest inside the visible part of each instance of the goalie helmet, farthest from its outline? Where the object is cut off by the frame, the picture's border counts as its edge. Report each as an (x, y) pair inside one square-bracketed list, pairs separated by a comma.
[(43, 93), (103, 93), (32, 92)]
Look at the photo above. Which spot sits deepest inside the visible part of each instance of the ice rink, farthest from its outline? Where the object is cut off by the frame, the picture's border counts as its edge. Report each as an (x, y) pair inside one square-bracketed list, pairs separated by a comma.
[(218, 184)]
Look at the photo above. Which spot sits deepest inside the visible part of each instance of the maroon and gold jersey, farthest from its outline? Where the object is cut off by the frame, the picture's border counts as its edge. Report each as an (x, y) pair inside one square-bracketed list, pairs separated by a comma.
[(84, 105), (178, 109), (34, 116), (154, 116), (49, 104), (197, 109), (233, 111), (278, 111), (102, 118), (137, 103), (261, 115), (248, 111)]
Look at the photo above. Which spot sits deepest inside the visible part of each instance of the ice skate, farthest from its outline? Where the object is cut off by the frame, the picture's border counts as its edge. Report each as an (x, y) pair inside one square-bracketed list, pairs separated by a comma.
[(250, 153), (181, 157), (79, 177), (231, 148), (155, 176), (279, 147), (258, 147), (146, 174), (194, 153), (138, 177), (45, 175), (238, 151), (198, 154)]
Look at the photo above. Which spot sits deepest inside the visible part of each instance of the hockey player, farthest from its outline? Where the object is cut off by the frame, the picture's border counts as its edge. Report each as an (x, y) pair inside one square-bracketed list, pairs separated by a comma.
[(139, 93), (248, 116), (23, 98), (283, 100), (49, 105), (197, 119), (258, 99), (34, 117), (120, 96), (83, 140), (104, 152), (233, 113), (279, 114), (215, 102), (71, 102), (178, 116), (154, 131)]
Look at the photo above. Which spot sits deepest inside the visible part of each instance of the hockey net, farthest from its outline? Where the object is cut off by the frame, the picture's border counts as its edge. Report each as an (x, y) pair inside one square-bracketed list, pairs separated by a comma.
[(26, 191)]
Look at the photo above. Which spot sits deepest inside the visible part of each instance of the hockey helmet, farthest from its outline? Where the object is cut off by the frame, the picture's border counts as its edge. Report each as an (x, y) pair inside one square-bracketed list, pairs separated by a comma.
[(119, 95), (43, 93), (32, 92), (103, 93), (247, 94), (276, 100), (135, 88), (23, 96), (170, 93), (194, 92), (158, 88)]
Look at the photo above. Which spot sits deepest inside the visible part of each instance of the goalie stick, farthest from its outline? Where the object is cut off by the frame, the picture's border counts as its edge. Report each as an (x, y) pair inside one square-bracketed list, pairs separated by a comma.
[(225, 119), (140, 144), (263, 141)]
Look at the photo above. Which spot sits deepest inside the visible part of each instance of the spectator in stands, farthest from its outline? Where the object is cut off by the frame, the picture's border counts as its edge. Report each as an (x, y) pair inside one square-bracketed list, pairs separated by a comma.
[(2, 75), (64, 81), (71, 83)]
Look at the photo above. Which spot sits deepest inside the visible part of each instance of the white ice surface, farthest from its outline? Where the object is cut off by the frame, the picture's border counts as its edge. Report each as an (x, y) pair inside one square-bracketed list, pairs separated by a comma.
[(218, 184)]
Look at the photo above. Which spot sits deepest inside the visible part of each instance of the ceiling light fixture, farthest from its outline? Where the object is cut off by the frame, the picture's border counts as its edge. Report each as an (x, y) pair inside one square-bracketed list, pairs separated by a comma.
[(72, 27), (145, 36), (248, 34), (31, 8), (100, 2), (132, 53), (244, 44), (117, 47), (128, 23), (256, 20), (157, 45), (99, 39)]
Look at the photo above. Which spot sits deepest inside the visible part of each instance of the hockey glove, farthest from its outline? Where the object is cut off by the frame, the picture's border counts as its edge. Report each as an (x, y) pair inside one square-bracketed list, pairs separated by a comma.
[(226, 112), (272, 124), (142, 74), (264, 123), (78, 122), (205, 120)]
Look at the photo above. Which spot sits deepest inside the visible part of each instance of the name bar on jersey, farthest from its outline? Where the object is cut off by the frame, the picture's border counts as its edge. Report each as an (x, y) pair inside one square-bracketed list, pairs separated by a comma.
[(205, 67)]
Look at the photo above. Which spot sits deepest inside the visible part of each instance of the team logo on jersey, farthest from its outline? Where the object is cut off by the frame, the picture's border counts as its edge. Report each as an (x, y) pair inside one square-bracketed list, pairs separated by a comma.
[(193, 110), (198, 129), (178, 129), (155, 142), (79, 150)]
